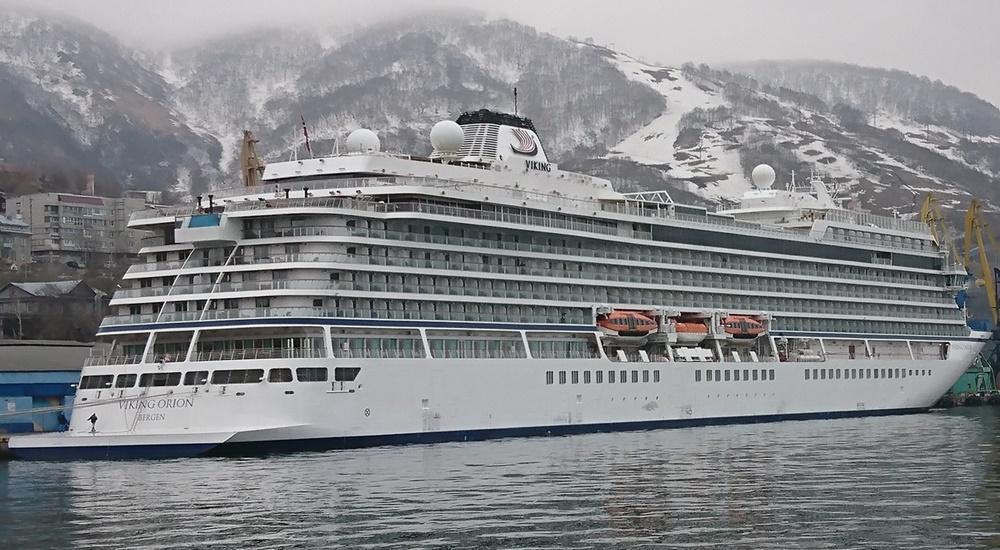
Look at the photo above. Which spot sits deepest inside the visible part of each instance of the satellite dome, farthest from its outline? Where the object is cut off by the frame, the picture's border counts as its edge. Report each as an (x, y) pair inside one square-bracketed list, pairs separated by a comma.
[(447, 137), (762, 176), (363, 140)]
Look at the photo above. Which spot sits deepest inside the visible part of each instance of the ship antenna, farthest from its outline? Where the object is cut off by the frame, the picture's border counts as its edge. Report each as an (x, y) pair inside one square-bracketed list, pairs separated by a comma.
[(515, 100)]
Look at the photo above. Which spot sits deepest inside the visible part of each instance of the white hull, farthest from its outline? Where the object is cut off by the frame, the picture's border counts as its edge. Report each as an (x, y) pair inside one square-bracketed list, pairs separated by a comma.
[(399, 400)]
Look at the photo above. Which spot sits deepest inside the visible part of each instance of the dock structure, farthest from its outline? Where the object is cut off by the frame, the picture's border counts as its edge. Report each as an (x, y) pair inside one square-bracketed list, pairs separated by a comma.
[(38, 380)]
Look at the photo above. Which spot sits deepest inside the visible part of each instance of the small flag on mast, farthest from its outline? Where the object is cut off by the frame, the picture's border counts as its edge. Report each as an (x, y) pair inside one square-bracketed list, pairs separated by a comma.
[(305, 132)]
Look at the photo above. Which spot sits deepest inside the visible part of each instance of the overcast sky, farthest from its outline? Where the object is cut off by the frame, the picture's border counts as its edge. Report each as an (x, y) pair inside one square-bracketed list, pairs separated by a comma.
[(955, 41)]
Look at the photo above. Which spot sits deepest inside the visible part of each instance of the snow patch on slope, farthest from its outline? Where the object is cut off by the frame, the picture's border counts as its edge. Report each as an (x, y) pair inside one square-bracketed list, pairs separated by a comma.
[(711, 166)]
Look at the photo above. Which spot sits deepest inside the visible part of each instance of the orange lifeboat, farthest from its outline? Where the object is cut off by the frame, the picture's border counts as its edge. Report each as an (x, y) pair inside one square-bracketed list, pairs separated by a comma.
[(690, 333), (627, 326), (742, 327)]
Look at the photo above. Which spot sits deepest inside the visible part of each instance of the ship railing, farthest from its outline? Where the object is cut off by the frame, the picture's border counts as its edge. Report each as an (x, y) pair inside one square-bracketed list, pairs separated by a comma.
[(477, 353), (305, 311), (258, 353), (867, 219), (277, 190), (155, 266), (307, 231), (163, 212), (244, 286), (129, 319), (565, 354), (111, 360), (161, 290), (377, 353)]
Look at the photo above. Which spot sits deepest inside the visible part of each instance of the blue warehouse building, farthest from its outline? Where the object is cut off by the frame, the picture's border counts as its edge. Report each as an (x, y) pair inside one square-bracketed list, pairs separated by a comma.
[(36, 375)]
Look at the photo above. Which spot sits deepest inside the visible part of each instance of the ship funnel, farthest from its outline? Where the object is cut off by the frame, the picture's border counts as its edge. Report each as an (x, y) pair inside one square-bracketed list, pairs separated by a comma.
[(493, 137)]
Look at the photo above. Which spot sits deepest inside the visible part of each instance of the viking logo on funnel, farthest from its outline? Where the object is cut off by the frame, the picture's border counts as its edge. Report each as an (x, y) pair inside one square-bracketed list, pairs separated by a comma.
[(525, 143)]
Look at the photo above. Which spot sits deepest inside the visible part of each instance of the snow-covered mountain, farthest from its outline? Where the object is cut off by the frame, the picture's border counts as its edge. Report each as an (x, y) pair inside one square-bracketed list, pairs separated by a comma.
[(72, 95), (401, 77)]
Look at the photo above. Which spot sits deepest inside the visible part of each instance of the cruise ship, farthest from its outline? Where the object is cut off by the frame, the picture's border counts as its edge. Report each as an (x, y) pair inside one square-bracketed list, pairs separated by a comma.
[(369, 298)]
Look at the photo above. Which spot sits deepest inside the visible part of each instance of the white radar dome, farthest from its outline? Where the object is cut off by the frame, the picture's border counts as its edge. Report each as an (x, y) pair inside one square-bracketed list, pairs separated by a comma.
[(363, 140), (447, 137), (762, 176)]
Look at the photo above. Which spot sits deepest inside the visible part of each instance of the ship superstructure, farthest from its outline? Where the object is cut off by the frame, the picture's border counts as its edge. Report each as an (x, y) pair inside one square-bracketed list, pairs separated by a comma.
[(368, 297)]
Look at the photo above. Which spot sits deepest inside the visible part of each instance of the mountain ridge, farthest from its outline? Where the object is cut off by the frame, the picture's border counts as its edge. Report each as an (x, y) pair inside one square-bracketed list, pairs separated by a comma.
[(173, 120)]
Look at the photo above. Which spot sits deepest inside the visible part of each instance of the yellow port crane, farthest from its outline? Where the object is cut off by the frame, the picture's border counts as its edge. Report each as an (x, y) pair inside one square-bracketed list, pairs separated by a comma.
[(975, 227), (930, 214)]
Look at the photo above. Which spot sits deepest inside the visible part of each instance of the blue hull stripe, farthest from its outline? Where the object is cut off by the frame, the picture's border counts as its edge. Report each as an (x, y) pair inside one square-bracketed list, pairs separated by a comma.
[(353, 442), (323, 321), (111, 452)]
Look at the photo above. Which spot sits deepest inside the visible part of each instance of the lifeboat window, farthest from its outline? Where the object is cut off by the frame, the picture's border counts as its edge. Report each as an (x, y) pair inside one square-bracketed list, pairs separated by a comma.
[(770, 374), (838, 374), (96, 382), (196, 378), (279, 375), (611, 377), (549, 377), (599, 377), (623, 376), (656, 376), (645, 376), (586, 377), (746, 375), (822, 374), (345, 374), (697, 375), (718, 375), (156, 379), (755, 374), (312, 374), (635, 377), (575, 377), (727, 376), (562, 377)]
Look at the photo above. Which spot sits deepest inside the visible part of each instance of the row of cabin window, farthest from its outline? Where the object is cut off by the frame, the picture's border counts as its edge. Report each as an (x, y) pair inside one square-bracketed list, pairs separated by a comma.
[(198, 378), (598, 376), (749, 375), (822, 303), (852, 374), (469, 262), (521, 239)]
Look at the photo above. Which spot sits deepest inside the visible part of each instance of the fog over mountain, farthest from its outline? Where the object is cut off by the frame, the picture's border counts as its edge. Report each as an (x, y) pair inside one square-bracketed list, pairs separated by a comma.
[(171, 119)]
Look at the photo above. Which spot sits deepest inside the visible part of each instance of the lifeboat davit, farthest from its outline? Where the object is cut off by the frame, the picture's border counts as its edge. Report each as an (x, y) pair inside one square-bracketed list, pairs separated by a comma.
[(690, 333), (740, 326), (626, 327)]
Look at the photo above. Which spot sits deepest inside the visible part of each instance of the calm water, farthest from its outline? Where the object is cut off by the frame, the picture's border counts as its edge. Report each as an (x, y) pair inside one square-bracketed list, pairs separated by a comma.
[(920, 481)]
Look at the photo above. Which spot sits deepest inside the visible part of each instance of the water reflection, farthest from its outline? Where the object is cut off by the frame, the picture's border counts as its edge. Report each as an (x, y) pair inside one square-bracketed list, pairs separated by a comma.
[(920, 481)]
